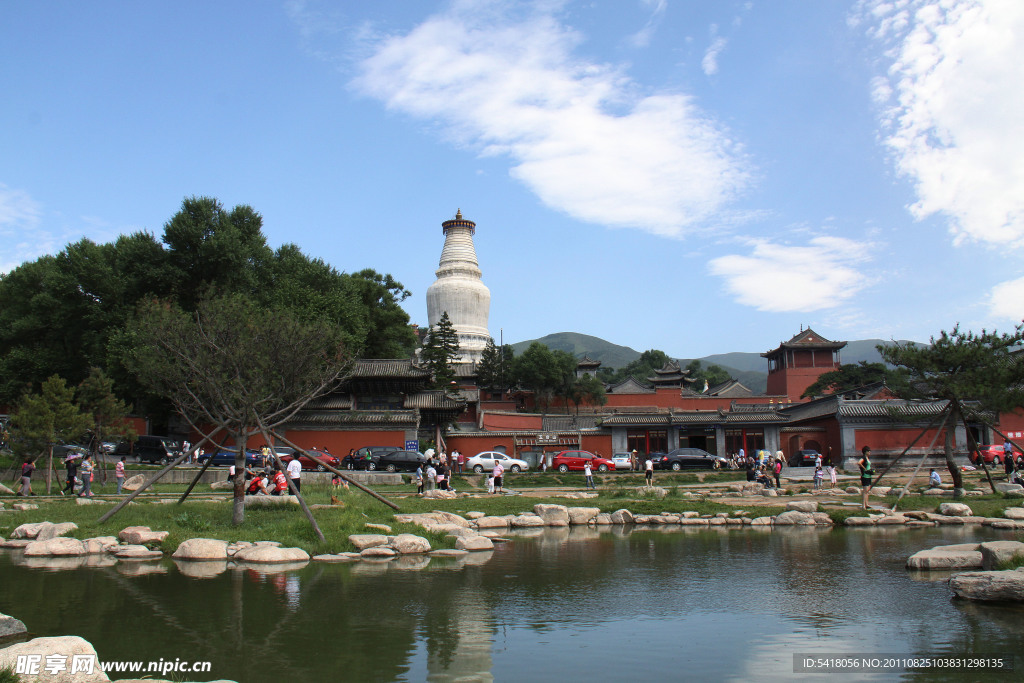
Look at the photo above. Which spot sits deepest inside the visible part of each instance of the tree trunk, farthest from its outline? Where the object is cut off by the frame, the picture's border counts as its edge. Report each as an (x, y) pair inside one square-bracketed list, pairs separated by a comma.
[(238, 505), (49, 468), (952, 419)]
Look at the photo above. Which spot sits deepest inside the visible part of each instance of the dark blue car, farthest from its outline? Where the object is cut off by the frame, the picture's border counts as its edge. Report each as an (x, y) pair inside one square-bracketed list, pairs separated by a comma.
[(226, 458)]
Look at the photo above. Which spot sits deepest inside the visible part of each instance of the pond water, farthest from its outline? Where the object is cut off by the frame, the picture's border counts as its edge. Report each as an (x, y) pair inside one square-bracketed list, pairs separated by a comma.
[(555, 605)]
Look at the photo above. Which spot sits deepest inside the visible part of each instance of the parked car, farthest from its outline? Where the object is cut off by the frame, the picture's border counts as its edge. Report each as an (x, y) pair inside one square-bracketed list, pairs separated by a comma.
[(310, 464), (361, 458), (621, 460), (397, 461), (565, 461), (805, 457), (484, 461), (993, 454), (226, 457), (690, 459), (156, 449)]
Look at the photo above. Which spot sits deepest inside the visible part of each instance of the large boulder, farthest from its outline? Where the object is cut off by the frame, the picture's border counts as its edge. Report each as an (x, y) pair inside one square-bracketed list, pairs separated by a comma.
[(9, 626), (364, 541), (651, 492), (49, 530), (958, 556), (1014, 513), (141, 535), (990, 586), (859, 521), (529, 520), (1006, 487), (802, 505), (270, 501), (99, 544), (30, 530), (58, 547), (266, 553), (955, 510), (579, 515), (473, 543), (408, 544), (492, 523), (794, 517), (202, 549), (222, 485), (994, 552), (133, 551), (134, 483), (62, 649), (622, 516), (439, 494), (553, 515)]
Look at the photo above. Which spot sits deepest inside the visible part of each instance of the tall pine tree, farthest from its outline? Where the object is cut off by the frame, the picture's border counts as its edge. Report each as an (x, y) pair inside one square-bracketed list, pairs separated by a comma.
[(440, 352)]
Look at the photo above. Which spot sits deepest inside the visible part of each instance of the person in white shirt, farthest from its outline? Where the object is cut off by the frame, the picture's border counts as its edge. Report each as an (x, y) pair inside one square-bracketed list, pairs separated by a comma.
[(934, 479), (649, 471), (295, 473), (589, 475), (496, 473)]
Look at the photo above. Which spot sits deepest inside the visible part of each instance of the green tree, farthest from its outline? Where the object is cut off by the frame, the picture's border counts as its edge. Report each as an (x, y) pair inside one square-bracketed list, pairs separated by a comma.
[(107, 413), (547, 373), (641, 368), (440, 351), (590, 391), (712, 374), (495, 371), (388, 333), (986, 369), (850, 376), (237, 367), (44, 420)]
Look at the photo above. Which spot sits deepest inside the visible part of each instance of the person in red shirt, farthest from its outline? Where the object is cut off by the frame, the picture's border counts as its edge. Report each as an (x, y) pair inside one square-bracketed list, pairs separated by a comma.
[(280, 484)]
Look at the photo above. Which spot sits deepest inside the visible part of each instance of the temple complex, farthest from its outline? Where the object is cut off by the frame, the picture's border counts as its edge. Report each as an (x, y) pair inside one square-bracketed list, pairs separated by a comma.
[(459, 291)]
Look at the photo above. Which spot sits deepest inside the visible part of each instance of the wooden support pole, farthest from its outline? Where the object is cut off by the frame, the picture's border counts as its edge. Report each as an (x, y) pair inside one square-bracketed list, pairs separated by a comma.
[(114, 510), (209, 461), (291, 487), (337, 472)]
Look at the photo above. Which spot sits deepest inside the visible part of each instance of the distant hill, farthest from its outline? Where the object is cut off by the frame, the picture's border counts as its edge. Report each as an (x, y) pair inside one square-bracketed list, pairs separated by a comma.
[(749, 368), (610, 355)]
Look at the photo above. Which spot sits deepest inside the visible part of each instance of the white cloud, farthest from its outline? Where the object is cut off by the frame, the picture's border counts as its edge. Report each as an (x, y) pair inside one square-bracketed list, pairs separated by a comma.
[(503, 80), (19, 220), (1007, 300), (710, 62), (642, 38), (954, 109), (781, 278)]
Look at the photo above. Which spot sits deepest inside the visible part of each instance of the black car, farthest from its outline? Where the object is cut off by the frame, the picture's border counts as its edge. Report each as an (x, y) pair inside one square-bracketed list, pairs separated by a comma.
[(397, 461), (689, 459), (152, 449), (361, 458), (804, 458)]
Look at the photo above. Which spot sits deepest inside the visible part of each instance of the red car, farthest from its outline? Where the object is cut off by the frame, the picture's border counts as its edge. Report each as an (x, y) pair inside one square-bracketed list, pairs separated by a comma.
[(993, 454), (574, 460), (309, 464)]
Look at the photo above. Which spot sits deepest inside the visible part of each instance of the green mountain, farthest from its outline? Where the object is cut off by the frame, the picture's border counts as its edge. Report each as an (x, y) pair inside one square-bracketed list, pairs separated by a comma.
[(749, 368), (610, 355)]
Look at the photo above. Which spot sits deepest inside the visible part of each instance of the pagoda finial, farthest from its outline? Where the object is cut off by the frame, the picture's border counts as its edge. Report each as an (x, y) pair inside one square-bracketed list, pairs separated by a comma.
[(458, 214)]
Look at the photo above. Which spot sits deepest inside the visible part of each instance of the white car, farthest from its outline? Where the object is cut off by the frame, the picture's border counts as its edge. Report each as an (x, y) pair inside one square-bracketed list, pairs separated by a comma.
[(484, 462), (621, 461)]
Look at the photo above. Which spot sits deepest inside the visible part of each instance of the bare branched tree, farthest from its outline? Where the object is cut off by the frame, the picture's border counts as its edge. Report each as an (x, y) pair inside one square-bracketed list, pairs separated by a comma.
[(237, 367)]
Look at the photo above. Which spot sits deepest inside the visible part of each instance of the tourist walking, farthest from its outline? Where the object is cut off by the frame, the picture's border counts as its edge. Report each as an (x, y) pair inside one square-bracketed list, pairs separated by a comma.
[(71, 467), (460, 459), (431, 475), (496, 473), (295, 473), (442, 476), (866, 472), (1008, 464), (589, 474), (419, 479), (87, 468), (830, 467), (649, 471), (778, 472), (119, 473), (27, 468), (818, 476)]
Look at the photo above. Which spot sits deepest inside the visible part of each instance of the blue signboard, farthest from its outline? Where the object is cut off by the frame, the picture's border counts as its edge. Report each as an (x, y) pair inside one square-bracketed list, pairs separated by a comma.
[(412, 445)]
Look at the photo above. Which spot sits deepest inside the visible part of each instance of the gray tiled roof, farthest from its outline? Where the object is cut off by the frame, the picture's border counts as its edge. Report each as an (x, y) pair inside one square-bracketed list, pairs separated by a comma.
[(570, 423), (388, 368), (330, 402), (350, 417), (434, 399)]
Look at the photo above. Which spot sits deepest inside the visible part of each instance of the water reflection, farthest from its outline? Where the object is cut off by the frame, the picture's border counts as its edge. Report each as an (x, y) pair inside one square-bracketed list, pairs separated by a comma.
[(571, 602)]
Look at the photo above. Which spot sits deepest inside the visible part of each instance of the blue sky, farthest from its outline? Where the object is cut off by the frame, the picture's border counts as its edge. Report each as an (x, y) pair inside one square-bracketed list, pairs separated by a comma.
[(698, 177)]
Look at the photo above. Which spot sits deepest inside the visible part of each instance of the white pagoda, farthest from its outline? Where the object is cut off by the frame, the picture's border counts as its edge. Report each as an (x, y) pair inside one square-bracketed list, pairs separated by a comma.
[(459, 291)]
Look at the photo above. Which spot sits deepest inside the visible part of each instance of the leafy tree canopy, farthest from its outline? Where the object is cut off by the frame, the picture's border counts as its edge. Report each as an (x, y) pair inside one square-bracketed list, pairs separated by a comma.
[(68, 313), (641, 368), (712, 374), (850, 376), (496, 369), (440, 352)]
